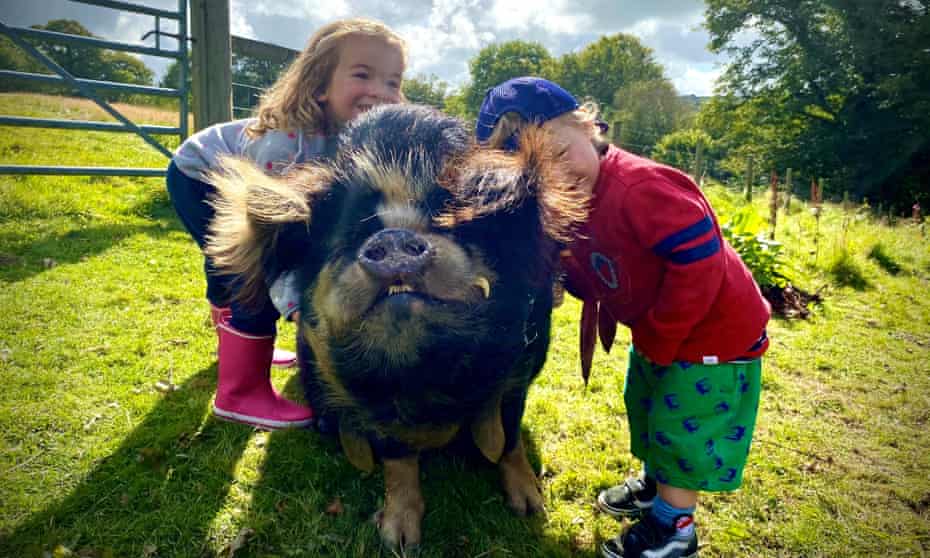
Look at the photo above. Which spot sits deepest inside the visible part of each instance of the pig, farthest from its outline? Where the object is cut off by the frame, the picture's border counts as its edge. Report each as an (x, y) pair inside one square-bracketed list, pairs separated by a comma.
[(426, 268)]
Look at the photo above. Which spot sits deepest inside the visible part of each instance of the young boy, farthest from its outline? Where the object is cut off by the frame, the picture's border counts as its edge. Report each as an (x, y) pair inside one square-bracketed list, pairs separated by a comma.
[(651, 256)]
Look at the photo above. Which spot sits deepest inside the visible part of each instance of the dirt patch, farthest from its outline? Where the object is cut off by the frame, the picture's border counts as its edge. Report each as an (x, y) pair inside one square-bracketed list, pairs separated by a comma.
[(791, 302), (7, 260), (921, 506), (909, 337)]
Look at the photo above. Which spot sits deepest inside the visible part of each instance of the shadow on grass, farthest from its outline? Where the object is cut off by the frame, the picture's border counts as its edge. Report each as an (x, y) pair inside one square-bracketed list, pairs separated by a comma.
[(880, 255), (166, 481), (847, 272), (311, 502), (162, 491), (22, 259)]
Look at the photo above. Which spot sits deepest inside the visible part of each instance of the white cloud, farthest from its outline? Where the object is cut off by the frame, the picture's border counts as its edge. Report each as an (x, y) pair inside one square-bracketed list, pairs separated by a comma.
[(696, 81), (644, 28), (442, 35), (238, 22), (311, 9), (450, 28), (556, 17)]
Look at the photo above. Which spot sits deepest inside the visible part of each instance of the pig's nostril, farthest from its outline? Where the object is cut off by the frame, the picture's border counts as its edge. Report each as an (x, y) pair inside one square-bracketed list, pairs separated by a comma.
[(390, 253), (376, 253), (415, 248)]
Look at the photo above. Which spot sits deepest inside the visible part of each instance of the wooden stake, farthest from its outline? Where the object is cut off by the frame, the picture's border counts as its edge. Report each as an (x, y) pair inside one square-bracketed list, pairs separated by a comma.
[(788, 191), (749, 179), (773, 204), (698, 161)]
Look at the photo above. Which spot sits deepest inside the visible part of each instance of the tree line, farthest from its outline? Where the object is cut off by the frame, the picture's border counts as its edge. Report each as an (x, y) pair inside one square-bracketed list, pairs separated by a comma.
[(80, 61), (837, 90)]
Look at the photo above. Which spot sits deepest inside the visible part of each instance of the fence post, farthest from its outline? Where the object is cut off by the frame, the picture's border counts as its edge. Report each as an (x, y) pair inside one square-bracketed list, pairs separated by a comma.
[(749, 179), (211, 73), (773, 204), (788, 191), (698, 161), (816, 199)]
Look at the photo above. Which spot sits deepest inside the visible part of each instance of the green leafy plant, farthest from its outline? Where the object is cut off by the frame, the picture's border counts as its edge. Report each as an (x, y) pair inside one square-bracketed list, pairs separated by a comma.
[(763, 257)]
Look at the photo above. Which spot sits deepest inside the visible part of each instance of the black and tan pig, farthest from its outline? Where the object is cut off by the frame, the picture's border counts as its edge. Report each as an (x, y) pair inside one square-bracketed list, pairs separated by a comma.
[(426, 267)]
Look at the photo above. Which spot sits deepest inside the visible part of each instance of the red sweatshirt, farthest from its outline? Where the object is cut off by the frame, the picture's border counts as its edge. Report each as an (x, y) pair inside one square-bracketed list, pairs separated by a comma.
[(651, 255)]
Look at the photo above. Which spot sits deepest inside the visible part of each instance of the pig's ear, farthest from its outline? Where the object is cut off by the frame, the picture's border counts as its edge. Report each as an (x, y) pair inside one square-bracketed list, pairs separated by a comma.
[(488, 181), (251, 209)]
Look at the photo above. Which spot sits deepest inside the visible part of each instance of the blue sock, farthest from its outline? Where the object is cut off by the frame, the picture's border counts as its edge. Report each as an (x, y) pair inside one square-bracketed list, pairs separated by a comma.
[(667, 513)]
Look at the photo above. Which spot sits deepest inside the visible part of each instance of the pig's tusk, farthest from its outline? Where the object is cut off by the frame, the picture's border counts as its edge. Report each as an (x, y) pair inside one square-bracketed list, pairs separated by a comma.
[(483, 284)]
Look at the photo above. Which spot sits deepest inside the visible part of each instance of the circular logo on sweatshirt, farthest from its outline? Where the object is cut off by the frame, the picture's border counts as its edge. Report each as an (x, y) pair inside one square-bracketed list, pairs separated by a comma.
[(604, 269)]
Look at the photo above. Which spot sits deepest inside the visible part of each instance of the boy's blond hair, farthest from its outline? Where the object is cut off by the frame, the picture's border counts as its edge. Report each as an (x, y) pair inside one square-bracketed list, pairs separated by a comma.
[(290, 104), (584, 118)]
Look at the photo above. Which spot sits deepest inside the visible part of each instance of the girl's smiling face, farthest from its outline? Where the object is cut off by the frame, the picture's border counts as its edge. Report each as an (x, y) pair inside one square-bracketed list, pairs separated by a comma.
[(579, 153), (369, 72)]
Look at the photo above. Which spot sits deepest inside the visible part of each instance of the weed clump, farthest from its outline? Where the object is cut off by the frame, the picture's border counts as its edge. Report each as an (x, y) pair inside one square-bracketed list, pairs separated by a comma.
[(847, 272)]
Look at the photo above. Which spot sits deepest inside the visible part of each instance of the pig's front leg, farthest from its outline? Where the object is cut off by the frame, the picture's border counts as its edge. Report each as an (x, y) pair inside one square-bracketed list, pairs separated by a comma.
[(520, 482), (399, 521)]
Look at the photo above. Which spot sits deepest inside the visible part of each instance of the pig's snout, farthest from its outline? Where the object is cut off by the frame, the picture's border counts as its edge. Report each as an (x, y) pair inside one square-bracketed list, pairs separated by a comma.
[(395, 253)]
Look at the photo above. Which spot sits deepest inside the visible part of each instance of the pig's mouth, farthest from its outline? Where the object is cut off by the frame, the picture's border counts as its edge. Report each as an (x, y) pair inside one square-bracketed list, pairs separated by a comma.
[(404, 293)]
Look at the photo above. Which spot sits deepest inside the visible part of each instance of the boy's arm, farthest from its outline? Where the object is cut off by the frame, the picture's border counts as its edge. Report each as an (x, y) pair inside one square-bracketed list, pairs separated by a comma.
[(677, 225)]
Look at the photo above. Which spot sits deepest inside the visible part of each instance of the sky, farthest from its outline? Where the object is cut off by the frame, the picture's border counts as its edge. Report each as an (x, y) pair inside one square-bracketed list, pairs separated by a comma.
[(442, 35)]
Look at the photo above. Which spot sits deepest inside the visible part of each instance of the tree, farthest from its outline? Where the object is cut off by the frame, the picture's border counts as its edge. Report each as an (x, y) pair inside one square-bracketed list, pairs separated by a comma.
[(12, 58), (92, 62), (171, 79), (679, 150), (603, 67), (500, 62), (758, 129), (426, 90), (644, 111), (80, 61), (251, 76), (854, 77), (457, 105)]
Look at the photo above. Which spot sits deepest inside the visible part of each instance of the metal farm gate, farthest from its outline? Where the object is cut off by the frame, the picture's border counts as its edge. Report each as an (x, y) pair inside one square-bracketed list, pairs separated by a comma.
[(89, 87)]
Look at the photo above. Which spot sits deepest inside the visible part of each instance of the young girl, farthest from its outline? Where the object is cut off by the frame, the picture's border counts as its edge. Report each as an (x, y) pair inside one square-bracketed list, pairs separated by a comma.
[(651, 256), (347, 67)]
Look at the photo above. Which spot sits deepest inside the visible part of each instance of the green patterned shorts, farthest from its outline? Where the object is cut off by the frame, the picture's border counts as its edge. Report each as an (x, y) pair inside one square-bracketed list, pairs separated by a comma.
[(692, 424)]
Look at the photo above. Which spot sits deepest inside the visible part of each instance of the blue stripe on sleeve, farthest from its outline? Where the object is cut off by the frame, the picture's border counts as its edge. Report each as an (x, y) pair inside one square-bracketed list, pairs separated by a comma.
[(699, 252), (758, 344), (665, 247)]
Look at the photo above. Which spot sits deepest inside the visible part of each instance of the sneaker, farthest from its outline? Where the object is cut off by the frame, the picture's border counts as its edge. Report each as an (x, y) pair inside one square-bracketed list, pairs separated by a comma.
[(650, 539), (633, 498)]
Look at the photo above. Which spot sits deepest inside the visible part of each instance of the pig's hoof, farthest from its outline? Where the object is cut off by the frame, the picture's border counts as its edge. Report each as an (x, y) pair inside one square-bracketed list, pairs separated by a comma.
[(400, 530), (523, 494)]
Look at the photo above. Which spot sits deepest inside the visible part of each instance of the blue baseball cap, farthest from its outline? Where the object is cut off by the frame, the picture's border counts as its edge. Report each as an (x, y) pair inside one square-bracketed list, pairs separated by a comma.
[(537, 100)]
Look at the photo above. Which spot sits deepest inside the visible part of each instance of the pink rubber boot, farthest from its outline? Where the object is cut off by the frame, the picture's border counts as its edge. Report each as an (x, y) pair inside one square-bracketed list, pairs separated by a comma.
[(244, 392), (281, 358)]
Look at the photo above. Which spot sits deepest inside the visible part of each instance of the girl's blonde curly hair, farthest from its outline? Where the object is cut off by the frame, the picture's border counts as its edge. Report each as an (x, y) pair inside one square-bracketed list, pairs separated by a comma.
[(290, 104)]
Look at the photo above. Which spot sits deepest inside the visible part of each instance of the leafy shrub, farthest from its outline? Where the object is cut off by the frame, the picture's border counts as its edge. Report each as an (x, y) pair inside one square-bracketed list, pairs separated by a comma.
[(762, 256)]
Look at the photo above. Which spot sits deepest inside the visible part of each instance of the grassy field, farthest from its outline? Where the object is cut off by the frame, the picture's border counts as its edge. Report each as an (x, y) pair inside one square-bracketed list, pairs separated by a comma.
[(108, 447)]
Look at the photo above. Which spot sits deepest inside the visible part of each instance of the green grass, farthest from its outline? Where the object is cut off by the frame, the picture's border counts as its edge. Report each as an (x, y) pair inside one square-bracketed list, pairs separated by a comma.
[(102, 297)]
